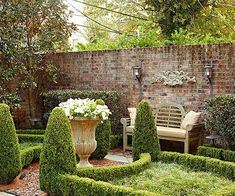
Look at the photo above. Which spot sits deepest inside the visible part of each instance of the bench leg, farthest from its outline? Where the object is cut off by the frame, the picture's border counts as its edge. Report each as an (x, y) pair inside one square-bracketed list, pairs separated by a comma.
[(124, 141), (186, 147)]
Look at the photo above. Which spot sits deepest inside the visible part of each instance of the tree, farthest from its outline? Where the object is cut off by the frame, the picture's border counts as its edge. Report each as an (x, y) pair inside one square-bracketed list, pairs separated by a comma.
[(29, 30)]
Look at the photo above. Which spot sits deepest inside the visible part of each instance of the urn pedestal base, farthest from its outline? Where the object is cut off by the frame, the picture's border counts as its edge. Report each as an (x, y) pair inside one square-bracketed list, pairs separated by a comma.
[(83, 135)]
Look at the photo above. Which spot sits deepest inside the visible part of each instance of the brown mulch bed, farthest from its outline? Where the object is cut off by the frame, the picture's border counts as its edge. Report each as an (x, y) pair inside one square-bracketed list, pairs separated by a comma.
[(29, 185)]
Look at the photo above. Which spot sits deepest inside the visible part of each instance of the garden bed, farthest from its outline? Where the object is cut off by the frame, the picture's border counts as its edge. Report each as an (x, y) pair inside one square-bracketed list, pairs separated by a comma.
[(174, 179)]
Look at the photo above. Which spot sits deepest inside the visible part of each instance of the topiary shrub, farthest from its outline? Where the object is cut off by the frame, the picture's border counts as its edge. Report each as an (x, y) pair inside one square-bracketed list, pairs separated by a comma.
[(145, 139), (10, 163), (58, 154), (220, 117), (102, 136)]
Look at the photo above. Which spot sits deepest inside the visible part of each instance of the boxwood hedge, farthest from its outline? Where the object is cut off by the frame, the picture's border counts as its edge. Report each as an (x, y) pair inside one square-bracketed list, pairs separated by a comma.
[(200, 163), (218, 153), (10, 164), (29, 155)]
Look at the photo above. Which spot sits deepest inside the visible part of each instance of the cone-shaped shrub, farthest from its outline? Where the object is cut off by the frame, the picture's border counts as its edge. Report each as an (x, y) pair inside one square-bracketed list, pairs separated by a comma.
[(145, 139), (102, 136), (10, 164), (58, 154)]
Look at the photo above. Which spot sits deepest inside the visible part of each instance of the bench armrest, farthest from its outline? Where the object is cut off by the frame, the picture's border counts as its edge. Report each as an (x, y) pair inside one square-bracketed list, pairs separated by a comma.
[(195, 127), (125, 121)]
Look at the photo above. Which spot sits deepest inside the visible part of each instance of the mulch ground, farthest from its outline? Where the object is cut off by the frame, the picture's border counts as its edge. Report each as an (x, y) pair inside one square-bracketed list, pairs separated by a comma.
[(29, 184)]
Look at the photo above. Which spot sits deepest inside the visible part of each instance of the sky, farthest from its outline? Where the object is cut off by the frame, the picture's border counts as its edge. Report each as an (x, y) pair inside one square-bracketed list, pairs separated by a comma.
[(77, 18)]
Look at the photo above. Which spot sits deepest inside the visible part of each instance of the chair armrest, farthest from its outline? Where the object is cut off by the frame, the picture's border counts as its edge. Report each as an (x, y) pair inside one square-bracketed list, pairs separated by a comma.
[(195, 127), (125, 121)]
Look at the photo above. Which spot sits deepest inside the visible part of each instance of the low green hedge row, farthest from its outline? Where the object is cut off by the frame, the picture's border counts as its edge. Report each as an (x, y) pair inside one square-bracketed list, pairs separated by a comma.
[(200, 163), (30, 155), (30, 138), (110, 172), (30, 131), (226, 191), (218, 153), (74, 185)]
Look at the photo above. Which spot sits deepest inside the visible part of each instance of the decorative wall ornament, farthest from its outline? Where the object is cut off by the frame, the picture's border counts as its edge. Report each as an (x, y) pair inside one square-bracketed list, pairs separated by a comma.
[(173, 78)]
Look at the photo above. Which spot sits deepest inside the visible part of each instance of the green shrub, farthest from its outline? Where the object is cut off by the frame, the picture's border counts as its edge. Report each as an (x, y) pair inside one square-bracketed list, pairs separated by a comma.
[(10, 164), (145, 139), (220, 115), (218, 153), (111, 98), (120, 171), (200, 163), (30, 131), (226, 191), (29, 155), (30, 138), (102, 136), (115, 140), (58, 154), (74, 185), (210, 152)]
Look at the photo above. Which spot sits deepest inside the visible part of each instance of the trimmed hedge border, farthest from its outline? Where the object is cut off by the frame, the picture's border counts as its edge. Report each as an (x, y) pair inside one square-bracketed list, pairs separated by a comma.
[(218, 153), (110, 172), (29, 155), (200, 163), (30, 138), (74, 185), (226, 191), (31, 131), (84, 183)]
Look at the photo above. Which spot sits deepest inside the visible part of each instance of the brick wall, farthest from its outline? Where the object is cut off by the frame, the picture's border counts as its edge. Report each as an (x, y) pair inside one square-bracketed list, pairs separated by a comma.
[(112, 70)]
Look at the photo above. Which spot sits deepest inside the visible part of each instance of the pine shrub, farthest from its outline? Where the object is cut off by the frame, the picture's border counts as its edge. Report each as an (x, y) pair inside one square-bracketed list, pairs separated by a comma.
[(102, 136), (145, 139), (10, 163), (58, 154)]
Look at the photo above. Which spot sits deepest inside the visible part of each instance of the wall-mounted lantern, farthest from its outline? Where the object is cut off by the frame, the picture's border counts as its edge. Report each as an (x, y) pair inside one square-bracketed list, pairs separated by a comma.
[(208, 73), (137, 71)]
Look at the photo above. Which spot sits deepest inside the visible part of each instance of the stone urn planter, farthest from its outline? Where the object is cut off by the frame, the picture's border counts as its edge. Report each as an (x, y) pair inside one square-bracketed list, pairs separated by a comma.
[(83, 135)]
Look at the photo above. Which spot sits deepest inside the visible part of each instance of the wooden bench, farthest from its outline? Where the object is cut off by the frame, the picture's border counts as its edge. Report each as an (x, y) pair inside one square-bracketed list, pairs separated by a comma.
[(168, 117)]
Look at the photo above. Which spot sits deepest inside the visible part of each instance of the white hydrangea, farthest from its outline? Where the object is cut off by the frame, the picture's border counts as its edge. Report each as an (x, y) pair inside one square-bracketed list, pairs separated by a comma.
[(85, 108)]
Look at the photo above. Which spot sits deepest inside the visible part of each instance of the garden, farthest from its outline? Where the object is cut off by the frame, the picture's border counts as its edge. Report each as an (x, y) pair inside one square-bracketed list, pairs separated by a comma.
[(146, 106)]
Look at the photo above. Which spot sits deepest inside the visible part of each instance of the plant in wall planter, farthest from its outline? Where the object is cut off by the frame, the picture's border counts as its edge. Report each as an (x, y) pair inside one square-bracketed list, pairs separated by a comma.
[(85, 115)]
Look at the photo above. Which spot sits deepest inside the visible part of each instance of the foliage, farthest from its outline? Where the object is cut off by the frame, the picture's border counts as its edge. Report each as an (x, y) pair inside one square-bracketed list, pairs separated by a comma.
[(29, 155), (58, 155), (174, 179), (102, 136), (29, 144), (115, 140), (74, 185), (145, 139), (220, 117), (111, 98), (111, 172), (218, 153), (30, 131), (9, 147), (185, 22), (29, 29), (30, 138), (173, 15), (200, 163), (226, 191)]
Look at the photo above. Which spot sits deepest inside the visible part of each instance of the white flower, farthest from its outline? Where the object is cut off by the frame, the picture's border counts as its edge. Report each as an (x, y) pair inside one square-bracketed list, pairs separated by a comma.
[(84, 108)]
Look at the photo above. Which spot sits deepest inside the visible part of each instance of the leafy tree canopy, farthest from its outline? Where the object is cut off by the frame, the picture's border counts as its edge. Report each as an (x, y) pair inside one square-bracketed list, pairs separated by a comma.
[(29, 29)]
